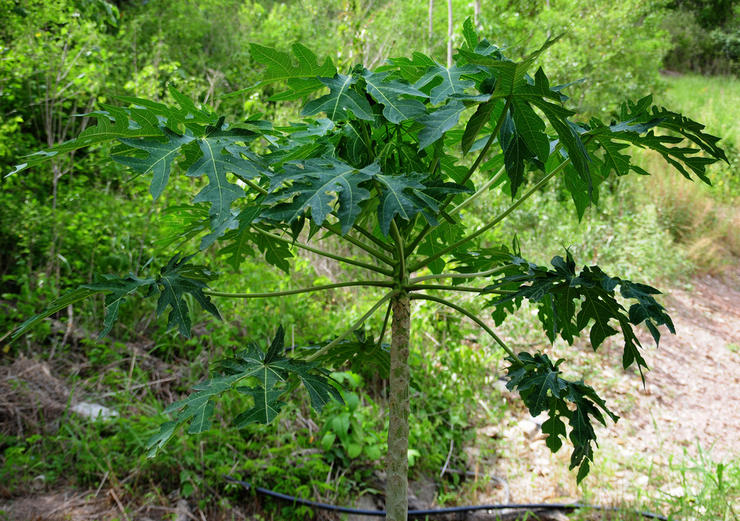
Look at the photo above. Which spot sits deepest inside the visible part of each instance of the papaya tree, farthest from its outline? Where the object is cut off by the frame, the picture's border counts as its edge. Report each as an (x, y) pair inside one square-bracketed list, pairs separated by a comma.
[(387, 160)]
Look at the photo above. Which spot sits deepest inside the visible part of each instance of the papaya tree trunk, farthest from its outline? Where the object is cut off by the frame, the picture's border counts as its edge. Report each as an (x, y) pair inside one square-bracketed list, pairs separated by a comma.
[(396, 491)]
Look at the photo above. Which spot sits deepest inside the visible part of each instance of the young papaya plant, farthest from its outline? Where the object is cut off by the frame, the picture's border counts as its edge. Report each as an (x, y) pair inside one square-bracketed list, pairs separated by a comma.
[(387, 160)]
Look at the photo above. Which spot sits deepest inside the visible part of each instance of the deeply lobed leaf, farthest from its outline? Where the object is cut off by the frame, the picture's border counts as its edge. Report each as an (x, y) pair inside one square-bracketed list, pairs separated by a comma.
[(262, 375)]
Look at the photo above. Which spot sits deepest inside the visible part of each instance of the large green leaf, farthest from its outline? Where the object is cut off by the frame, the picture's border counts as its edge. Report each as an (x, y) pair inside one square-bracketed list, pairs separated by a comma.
[(302, 78), (160, 153), (530, 128), (56, 305), (177, 279), (447, 82), (560, 292), (216, 162), (516, 152), (341, 98), (397, 98), (438, 122), (264, 375), (403, 196), (314, 186), (489, 111), (119, 289), (542, 389)]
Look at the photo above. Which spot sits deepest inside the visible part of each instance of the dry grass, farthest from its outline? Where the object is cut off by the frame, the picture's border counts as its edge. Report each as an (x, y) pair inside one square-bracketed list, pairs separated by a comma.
[(708, 230), (31, 398)]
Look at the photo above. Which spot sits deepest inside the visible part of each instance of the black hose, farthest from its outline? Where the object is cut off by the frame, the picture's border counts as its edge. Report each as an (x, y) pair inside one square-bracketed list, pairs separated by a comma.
[(436, 511)]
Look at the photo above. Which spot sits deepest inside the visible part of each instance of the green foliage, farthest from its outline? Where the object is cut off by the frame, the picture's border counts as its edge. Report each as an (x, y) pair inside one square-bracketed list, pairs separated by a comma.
[(351, 429), (266, 375), (557, 292), (536, 378), (380, 172), (705, 36), (176, 279)]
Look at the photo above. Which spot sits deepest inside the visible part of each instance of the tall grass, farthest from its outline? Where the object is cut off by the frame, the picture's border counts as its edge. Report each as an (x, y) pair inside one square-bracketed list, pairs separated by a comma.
[(705, 221)]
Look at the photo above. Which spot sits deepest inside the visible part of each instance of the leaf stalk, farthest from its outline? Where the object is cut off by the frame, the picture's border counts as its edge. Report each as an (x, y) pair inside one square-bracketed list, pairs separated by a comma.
[(456, 275), (468, 175), (323, 253), (353, 327), (298, 291), (471, 316), (495, 221)]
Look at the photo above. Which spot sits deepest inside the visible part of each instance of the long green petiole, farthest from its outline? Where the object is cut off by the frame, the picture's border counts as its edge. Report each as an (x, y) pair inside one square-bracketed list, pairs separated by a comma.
[(253, 185), (298, 291), (471, 316), (385, 324), (445, 287), (480, 191), (323, 253), (373, 238), (352, 328), (456, 275), (399, 245), (372, 251), (495, 221), (479, 159)]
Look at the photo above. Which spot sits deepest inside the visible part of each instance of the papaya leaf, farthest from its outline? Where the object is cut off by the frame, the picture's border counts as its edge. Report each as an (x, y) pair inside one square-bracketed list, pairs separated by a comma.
[(397, 98), (120, 289), (341, 99), (448, 82), (568, 302), (530, 128), (542, 389), (404, 196), (315, 185), (438, 122), (158, 161), (261, 374), (215, 163), (56, 305), (302, 79), (176, 279)]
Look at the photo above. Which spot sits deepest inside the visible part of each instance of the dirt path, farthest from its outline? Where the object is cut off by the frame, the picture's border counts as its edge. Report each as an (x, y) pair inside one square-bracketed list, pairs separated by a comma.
[(694, 387)]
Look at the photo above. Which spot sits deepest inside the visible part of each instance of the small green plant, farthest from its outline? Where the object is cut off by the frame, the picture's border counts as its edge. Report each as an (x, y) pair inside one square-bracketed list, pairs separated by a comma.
[(351, 428), (388, 161)]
